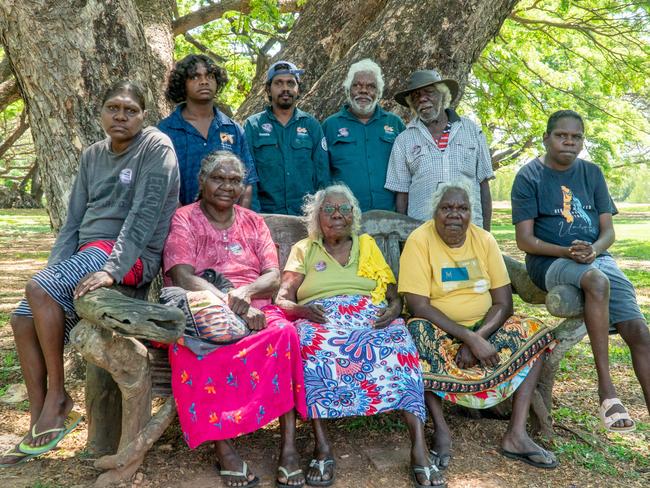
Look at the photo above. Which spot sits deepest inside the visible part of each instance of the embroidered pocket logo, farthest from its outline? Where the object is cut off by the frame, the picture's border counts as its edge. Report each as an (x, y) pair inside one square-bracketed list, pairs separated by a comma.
[(226, 138), (125, 176), (267, 127)]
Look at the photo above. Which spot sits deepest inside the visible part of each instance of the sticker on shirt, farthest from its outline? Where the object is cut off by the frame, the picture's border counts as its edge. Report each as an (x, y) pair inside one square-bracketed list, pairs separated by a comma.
[(343, 132), (576, 220), (125, 176), (226, 138), (235, 248), (266, 127), (388, 129), (320, 266), (323, 144), (415, 150), (464, 274), (302, 131)]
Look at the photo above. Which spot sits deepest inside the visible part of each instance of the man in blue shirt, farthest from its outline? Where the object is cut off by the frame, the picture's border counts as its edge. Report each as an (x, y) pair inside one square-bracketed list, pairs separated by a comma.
[(360, 137), (562, 213), (198, 128), (288, 146)]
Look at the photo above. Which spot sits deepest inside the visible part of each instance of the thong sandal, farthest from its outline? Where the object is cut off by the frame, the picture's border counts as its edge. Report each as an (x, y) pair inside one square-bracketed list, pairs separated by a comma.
[(239, 474), (285, 472), (322, 464), (15, 452), (441, 460), (431, 474), (69, 425), (527, 457), (609, 420)]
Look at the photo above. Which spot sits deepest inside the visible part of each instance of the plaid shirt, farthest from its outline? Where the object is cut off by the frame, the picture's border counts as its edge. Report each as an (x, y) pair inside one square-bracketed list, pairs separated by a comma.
[(417, 165)]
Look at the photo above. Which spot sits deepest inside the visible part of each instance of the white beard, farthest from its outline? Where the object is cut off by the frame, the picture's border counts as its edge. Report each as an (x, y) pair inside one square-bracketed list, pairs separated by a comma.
[(363, 111)]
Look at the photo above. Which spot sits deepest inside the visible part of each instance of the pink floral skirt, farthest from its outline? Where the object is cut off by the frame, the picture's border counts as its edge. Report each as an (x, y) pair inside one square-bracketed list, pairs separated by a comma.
[(241, 387)]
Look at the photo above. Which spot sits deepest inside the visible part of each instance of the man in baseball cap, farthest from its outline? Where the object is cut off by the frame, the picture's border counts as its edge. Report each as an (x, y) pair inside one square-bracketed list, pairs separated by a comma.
[(288, 145), (438, 146)]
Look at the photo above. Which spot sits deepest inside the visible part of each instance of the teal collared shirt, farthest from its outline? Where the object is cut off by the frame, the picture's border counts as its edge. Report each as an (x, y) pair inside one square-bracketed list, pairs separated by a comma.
[(359, 153), (290, 160)]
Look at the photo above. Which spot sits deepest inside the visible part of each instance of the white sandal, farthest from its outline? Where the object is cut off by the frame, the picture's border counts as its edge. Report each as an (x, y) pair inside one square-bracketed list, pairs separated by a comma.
[(609, 420)]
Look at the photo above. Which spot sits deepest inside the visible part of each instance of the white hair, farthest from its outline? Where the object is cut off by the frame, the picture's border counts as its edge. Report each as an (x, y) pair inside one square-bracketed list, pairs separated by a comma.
[(442, 88), (366, 65), (450, 185), (313, 203)]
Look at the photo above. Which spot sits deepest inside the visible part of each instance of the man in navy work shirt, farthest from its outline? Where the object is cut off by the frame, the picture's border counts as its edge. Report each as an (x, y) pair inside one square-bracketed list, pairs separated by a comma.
[(562, 213), (288, 146), (198, 128), (360, 137)]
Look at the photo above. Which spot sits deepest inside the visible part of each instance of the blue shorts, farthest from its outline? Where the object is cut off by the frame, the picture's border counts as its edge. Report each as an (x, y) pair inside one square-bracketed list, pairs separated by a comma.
[(622, 297)]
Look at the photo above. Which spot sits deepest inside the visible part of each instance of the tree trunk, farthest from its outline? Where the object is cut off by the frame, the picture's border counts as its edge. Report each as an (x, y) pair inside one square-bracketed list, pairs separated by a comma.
[(400, 36), (65, 54)]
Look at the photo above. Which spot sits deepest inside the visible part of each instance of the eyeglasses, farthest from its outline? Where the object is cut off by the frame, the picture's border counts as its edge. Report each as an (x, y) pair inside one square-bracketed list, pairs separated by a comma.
[(343, 208)]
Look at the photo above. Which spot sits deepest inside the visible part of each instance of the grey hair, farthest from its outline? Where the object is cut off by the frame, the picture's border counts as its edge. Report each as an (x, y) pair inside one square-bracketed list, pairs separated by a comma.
[(442, 88), (215, 159), (366, 65), (451, 185), (312, 204)]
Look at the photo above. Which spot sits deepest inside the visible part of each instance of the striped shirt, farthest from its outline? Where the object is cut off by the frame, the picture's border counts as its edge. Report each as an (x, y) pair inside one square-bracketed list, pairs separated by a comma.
[(418, 165)]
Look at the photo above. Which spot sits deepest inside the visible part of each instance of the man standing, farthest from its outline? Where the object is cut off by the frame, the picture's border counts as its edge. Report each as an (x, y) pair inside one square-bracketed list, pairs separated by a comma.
[(360, 137), (562, 213), (198, 128), (438, 146), (288, 146)]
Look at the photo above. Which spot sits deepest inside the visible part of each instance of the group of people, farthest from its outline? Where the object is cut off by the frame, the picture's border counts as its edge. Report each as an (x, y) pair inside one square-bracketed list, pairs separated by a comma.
[(325, 337)]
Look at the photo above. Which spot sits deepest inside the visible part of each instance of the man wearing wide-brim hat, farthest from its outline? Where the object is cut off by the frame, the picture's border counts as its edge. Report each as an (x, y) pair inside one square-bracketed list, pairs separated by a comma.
[(438, 146)]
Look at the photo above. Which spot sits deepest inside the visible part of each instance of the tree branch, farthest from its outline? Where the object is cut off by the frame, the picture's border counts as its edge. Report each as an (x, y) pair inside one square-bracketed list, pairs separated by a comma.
[(203, 48), (20, 130), (9, 93), (217, 9)]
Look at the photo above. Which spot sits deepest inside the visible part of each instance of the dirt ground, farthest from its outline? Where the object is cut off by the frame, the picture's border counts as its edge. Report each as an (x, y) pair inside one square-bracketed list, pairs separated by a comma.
[(368, 453)]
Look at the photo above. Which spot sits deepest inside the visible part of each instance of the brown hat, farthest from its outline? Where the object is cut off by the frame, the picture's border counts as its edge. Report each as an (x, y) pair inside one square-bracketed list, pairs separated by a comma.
[(422, 78)]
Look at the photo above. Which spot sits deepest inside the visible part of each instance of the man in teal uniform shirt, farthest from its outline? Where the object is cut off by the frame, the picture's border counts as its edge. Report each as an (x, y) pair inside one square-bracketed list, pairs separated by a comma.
[(287, 144), (360, 137)]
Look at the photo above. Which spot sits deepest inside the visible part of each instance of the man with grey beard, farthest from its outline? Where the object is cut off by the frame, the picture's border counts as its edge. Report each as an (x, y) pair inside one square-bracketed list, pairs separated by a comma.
[(438, 146), (360, 137)]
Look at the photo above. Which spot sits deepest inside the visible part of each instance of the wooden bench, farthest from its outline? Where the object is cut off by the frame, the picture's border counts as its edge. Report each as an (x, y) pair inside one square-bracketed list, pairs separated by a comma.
[(123, 375)]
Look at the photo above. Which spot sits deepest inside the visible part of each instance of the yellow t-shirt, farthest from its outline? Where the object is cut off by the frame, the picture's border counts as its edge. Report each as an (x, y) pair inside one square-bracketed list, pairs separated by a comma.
[(324, 276), (456, 280)]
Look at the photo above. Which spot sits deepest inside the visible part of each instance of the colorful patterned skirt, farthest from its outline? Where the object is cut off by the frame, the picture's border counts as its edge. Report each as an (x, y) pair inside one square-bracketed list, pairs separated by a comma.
[(519, 343), (241, 387), (353, 369)]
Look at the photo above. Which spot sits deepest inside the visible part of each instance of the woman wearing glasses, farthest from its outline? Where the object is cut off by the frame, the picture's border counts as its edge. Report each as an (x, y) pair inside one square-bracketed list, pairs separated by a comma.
[(357, 354)]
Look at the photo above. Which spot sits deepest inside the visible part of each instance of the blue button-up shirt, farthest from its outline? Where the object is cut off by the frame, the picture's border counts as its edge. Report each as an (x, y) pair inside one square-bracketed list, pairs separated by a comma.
[(191, 147), (359, 154), (291, 160)]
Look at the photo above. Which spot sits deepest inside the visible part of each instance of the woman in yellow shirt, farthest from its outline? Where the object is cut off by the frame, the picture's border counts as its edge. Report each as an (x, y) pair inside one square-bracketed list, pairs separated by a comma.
[(358, 357), (473, 351)]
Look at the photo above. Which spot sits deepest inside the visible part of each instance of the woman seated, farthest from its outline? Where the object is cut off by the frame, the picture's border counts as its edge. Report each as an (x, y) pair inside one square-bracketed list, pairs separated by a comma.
[(120, 206), (237, 388), (358, 356), (473, 351)]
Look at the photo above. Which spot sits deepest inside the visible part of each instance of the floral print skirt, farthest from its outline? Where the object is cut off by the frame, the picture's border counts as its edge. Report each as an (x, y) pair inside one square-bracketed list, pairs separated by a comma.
[(519, 343), (351, 368)]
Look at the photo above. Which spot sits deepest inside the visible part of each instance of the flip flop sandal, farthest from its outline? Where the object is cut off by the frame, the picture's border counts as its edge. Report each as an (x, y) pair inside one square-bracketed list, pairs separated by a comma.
[(239, 474), (442, 460), (16, 453), (526, 457), (431, 473), (609, 420), (288, 476), (322, 464), (69, 425)]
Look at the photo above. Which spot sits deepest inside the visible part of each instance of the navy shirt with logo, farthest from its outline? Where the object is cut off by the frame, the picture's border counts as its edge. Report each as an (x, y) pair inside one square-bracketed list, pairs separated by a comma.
[(565, 205), (291, 160), (359, 153), (191, 147)]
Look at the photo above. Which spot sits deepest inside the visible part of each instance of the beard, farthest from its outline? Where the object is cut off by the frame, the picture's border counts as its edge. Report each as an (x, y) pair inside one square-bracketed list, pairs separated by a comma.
[(285, 104), (432, 114), (360, 109)]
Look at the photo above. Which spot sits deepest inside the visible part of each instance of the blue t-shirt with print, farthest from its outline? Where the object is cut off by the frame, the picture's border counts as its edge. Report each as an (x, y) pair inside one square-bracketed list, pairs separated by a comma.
[(565, 205)]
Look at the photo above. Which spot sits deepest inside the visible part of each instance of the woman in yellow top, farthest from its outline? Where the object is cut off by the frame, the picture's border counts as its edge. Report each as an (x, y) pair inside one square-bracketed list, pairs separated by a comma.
[(358, 356), (473, 351)]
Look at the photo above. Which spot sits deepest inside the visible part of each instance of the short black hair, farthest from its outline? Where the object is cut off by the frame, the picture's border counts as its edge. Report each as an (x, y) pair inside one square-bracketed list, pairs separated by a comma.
[(126, 86), (187, 67), (562, 114)]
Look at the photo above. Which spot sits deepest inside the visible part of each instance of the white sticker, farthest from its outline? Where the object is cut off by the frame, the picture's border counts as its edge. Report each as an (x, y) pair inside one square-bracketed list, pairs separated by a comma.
[(125, 176)]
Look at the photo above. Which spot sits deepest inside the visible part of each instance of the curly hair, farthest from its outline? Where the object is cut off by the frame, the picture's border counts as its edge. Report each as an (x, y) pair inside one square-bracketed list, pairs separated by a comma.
[(187, 67), (443, 188), (364, 66), (312, 204)]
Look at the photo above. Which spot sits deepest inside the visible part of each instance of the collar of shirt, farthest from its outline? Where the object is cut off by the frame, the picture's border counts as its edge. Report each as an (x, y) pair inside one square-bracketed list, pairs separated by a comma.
[(178, 122), (297, 114), (416, 123)]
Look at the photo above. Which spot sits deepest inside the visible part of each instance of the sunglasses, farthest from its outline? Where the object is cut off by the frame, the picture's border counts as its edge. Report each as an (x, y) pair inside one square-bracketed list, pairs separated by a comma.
[(343, 208)]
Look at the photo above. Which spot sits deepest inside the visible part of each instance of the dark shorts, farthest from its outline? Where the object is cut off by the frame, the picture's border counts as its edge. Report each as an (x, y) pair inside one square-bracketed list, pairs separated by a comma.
[(622, 297)]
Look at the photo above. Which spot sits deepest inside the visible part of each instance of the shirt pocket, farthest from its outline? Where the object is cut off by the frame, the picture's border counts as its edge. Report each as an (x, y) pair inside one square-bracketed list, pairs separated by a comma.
[(343, 151), (464, 156), (303, 146)]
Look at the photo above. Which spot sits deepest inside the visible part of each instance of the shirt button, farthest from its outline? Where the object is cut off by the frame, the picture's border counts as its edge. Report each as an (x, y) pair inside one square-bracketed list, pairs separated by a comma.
[(205, 143)]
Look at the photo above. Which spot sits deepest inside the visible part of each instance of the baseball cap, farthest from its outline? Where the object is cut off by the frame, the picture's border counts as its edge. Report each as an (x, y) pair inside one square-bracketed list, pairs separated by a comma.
[(283, 68)]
